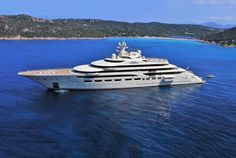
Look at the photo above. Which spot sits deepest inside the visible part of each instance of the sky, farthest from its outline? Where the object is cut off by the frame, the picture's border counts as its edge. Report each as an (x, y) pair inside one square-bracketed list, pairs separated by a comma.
[(167, 11)]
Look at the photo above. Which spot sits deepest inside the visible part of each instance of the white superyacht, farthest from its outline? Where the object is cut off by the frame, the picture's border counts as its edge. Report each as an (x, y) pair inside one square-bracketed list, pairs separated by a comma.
[(126, 69)]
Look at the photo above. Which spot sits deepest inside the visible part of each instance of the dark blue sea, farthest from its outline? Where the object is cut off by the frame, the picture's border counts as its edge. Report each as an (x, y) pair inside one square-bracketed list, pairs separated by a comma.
[(193, 121)]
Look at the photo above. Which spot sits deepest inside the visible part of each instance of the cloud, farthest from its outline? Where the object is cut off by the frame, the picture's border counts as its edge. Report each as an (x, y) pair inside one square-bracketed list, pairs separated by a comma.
[(215, 2)]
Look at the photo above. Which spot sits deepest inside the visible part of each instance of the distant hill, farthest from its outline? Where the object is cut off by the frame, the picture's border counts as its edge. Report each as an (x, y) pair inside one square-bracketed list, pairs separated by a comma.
[(219, 26), (227, 37), (25, 26)]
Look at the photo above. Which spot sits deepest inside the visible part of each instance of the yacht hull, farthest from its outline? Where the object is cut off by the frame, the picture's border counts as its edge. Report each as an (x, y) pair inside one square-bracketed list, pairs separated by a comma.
[(80, 83), (127, 69)]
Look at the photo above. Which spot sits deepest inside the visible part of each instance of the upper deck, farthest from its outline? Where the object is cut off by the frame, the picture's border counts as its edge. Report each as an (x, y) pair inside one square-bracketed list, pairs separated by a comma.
[(130, 62), (124, 61), (128, 58)]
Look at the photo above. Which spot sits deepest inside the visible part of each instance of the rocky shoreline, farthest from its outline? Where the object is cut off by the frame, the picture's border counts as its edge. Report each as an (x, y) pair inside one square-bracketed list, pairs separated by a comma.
[(221, 44)]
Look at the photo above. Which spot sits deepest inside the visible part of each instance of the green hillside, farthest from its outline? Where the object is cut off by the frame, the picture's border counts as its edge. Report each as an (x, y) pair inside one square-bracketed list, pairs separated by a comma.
[(29, 27), (227, 37)]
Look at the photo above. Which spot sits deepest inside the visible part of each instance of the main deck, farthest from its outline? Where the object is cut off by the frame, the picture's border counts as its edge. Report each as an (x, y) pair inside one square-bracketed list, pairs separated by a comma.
[(50, 72)]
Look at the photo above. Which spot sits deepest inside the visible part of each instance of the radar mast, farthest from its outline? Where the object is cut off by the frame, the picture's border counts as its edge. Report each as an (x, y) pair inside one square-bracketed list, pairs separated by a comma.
[(121, 49)]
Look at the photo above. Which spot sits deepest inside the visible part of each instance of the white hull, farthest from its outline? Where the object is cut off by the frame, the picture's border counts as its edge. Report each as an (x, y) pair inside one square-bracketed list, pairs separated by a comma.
[(75, 83), (128, 69)]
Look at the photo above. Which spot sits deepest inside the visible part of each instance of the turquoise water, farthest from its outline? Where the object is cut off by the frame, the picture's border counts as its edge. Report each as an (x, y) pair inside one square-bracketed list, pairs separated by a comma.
[(182, 121)]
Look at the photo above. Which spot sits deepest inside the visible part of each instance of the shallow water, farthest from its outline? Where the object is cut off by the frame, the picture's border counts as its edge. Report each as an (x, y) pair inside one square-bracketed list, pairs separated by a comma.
[(182, 121)]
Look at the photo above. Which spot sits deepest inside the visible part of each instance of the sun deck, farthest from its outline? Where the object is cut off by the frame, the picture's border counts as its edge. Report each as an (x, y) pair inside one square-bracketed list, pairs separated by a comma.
[(51, 72)]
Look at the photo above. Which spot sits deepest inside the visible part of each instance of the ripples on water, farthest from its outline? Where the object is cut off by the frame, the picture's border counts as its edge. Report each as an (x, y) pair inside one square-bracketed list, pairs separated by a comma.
[(182, 121)]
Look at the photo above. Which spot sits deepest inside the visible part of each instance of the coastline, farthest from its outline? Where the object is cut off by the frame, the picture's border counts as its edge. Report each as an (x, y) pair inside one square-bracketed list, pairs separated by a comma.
[(99, 38), (94, 38), (222, 45), (47, 38), (165, 38)]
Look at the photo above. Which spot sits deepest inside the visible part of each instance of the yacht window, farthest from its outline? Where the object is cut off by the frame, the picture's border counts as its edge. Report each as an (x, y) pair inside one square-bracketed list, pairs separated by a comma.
[(117, 79), (87, 80), (147, 78), (137, 79), (98, 80), (128, 79), (143, 78), (159, 77), (108, 80), (154, 78)]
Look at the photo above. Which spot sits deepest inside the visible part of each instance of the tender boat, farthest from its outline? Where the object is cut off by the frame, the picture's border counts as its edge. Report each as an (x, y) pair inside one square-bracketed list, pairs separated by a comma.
[(210, 76)]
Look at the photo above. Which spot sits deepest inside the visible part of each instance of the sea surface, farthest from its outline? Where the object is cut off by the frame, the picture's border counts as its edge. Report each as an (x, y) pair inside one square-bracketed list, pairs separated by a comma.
[(197, 121)]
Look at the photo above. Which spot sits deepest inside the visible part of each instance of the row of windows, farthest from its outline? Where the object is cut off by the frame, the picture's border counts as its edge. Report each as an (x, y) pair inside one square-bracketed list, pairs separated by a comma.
[(126, 79), (163, 73), (140, 65), (105, 76), (108, 71)]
